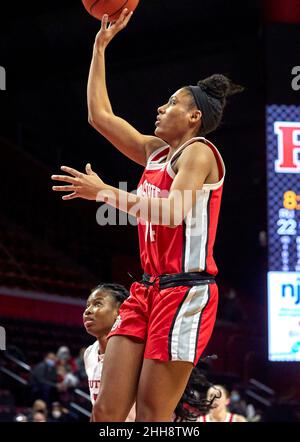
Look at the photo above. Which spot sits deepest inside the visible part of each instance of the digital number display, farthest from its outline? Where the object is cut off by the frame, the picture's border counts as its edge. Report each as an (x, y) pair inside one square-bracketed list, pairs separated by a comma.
[(283, 172)]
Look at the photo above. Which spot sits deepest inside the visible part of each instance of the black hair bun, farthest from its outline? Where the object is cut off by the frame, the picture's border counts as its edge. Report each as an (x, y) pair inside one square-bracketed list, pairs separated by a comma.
[(219, 86)]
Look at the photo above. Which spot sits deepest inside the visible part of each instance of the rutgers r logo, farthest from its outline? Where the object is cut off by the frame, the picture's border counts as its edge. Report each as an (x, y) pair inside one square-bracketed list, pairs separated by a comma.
[(288, 136)]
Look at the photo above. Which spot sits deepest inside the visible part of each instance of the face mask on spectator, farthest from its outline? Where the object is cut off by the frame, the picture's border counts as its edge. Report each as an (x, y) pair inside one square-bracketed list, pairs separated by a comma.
[(235, 397), (50, 362), (56, 414)]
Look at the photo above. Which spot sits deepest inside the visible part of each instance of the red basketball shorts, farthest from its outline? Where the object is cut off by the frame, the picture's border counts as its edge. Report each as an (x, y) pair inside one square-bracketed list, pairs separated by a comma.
[(175, 323)]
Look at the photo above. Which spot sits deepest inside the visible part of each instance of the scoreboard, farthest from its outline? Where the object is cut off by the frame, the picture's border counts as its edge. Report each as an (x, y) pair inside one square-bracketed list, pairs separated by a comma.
[(283, 181)]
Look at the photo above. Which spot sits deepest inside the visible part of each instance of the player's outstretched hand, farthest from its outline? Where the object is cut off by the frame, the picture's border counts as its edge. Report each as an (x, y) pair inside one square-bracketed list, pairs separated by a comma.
[(81, 185), (109, 30)]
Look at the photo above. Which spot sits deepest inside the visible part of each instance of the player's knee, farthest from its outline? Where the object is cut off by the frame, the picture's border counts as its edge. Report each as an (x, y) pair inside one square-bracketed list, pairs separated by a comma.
[(104, 412)]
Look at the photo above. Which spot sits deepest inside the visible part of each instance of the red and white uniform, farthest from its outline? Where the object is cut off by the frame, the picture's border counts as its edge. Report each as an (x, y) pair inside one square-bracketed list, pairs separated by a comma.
[(93, 362), (175, 322), (189, 246), (230, 417)]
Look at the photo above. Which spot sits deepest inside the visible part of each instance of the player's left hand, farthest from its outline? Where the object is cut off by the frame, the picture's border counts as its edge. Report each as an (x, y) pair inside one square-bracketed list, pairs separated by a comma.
[(81, 185)]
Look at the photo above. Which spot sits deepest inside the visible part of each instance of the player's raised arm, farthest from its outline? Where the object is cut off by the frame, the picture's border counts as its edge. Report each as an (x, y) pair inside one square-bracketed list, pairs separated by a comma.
[(118, 131)]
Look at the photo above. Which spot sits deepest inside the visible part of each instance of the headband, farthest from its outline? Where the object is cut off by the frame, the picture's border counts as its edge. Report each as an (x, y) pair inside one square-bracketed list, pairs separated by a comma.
[(203, 104)]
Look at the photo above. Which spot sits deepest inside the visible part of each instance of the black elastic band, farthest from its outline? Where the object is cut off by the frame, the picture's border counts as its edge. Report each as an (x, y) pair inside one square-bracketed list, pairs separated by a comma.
[(203, 104), (188, 279)]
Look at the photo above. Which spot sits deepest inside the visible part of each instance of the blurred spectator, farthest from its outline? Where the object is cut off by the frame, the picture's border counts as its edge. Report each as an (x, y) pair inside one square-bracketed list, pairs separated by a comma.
[(237, 404), (252, 414), (66, 369), (56, 413), (39, 417), (21, 418), (39, 406), (66, 379), (60, 414), (65, 359), (43, 380)]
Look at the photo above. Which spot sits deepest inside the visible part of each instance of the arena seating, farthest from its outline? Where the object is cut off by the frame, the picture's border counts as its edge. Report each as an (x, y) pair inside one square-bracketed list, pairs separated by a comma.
[(28, 263)]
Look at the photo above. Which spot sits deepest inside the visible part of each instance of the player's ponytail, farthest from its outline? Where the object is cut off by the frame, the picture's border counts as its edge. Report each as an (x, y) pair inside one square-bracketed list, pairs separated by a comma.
[(194, 402)]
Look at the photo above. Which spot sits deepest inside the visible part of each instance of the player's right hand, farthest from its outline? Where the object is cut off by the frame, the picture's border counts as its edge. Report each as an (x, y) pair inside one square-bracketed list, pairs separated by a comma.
[(109, 30)]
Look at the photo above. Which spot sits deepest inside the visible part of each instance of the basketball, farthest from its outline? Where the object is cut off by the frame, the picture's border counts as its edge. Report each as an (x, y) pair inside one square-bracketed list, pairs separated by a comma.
[(111, 7)]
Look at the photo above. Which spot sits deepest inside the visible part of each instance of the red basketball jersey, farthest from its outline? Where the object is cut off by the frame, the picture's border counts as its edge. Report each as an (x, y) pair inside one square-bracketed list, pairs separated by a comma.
[(189, 246)]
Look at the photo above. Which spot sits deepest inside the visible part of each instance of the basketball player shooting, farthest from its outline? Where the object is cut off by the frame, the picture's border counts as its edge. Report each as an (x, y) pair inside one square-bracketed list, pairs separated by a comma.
[(167, 321)]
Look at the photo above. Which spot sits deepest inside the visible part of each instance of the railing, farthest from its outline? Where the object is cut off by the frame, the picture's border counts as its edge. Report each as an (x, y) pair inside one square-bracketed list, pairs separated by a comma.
[(82, 394), (258, 398), (17, 361), (257, 390), (80, 409), (14, 376), (261, 386)]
